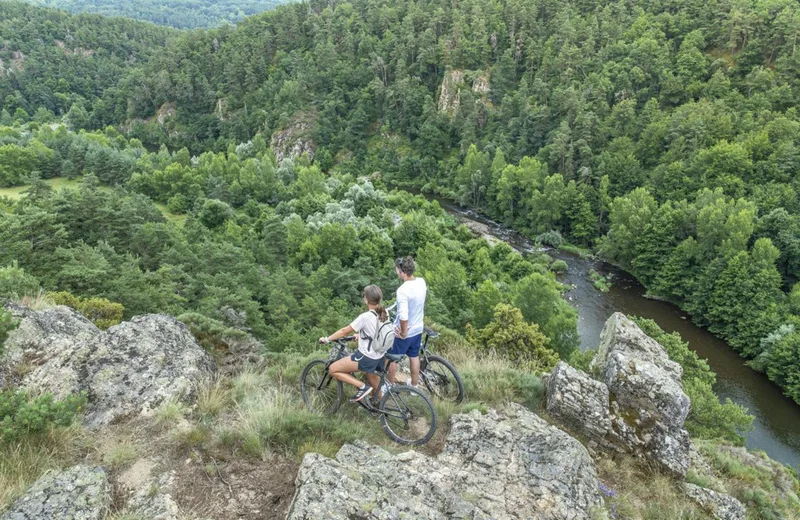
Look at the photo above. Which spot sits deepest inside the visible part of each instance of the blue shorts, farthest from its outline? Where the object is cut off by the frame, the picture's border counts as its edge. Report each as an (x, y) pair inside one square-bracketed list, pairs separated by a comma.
[(365, 364), (408, 346)]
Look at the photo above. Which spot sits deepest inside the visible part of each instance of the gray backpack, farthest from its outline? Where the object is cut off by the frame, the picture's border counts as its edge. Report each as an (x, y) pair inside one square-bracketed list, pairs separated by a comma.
[(384, 336)]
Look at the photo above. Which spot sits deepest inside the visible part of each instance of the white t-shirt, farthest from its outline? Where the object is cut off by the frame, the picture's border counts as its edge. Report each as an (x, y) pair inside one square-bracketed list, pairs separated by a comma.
[(411, 305), (366, 325)]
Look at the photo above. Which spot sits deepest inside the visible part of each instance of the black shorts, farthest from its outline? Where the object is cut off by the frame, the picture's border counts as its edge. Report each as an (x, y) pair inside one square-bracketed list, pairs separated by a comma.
[(366, 364)]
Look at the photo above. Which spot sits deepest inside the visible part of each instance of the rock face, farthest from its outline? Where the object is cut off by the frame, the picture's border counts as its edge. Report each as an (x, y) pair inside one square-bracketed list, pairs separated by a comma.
[(578, 401), (293, 141), (500, 465), (449, 95), (79, 493), (646, 406), (719, 505), (126, 371)]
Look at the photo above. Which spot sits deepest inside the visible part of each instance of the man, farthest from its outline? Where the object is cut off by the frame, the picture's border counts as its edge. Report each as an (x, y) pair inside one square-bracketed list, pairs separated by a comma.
[(409, 317)]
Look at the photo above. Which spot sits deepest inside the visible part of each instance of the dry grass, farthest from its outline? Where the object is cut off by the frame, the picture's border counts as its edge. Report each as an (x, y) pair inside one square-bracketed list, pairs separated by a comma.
[(213, 397), (23, 463), (633, 491), (170, 413), (36, 302), (120, 455)]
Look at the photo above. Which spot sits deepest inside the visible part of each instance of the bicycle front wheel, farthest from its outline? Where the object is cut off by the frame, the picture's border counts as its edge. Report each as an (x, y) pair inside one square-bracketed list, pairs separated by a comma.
[(321, 393), (407, 416), (441, 379)]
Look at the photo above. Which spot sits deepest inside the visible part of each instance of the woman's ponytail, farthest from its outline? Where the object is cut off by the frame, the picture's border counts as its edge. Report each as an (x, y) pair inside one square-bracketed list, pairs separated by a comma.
[(374, 296)]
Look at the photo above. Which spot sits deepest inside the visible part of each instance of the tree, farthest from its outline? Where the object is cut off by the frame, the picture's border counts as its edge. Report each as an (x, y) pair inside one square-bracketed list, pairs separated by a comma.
[(510, 336), (538, 297)]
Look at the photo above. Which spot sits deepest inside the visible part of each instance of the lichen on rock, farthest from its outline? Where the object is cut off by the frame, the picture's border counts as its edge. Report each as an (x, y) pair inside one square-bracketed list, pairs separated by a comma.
[(509, 464), (126, 371), (78, 493)]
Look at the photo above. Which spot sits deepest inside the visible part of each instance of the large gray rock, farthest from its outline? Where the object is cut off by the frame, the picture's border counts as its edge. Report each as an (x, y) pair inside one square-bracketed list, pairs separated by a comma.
[(578, 401), (644, 402), (718, 505), (126, 371), (500, 465), (79, 493)]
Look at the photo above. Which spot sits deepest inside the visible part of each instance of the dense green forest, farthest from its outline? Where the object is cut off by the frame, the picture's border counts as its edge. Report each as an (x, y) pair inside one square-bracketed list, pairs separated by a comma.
[(181, 14), (52, 62), (662, 134), (278, 250)]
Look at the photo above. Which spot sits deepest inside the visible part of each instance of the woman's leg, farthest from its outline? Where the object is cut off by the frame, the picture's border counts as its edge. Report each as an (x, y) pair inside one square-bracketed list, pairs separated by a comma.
[(342, 369)]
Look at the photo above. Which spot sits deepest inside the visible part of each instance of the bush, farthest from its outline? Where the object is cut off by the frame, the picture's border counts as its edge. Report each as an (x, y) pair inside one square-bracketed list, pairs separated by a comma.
[(509, 335), (601, 283), (23, 416), (559, 266), (16, 283), (100, 311), (550, 238)]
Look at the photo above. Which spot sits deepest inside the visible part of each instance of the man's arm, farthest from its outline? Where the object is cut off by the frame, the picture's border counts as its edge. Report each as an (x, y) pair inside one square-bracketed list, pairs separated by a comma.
[(402, 315)]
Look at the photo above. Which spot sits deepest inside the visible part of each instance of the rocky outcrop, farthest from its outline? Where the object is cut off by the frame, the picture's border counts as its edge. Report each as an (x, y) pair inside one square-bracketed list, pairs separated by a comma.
[(294, 141), (502, 465), (718, 505), (79, 493), (578, 401), (646, 407), (449, 93), (126, 371)]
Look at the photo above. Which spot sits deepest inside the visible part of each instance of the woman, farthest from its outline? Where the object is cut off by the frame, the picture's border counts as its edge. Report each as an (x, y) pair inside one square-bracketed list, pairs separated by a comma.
[(364, 359)]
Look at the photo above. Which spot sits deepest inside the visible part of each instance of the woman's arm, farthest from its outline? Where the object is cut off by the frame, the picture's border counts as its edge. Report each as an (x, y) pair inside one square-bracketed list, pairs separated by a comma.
[(344, 331)]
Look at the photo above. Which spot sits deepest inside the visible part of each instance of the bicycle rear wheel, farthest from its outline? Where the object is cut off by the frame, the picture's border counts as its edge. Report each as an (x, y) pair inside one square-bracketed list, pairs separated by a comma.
[(321, 393), (407, 416), (442, 380)]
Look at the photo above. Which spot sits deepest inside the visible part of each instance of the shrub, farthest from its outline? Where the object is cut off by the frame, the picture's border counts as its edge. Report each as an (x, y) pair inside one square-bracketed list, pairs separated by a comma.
[(550, 238), (559, 266), (511, 336), (100, 311), (601, 283), (16, 283), (23, 415)]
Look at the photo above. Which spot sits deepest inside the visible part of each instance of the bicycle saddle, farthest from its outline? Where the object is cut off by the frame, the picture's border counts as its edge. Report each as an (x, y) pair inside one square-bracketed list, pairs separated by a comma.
[(431, 333), (394, 357)]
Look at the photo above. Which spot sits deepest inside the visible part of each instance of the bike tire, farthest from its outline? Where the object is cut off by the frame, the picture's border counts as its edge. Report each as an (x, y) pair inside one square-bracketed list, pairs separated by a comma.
[(415, 430), (327, 400), (442, 379)]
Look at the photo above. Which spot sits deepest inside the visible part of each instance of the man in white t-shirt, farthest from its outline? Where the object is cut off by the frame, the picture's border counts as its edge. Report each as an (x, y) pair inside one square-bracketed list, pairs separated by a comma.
[(409, 319)]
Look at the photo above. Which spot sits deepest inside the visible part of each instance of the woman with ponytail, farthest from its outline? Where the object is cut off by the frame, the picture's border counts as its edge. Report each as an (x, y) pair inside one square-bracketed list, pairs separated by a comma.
[(365, 359)]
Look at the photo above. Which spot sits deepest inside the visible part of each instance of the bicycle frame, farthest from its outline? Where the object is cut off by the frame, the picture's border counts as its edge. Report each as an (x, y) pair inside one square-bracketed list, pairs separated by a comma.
[(339, 353)]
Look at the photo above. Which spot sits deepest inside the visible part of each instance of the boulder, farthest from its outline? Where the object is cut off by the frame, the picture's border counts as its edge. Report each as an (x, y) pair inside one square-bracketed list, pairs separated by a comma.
[(578, 401), (126, 371), (718, 505), (499, 465), (641, 391), (78, 493)]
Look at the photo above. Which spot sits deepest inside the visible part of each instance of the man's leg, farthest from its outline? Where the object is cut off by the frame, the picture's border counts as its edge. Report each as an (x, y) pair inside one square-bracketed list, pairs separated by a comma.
[(413, 358), (391, 372), (414, 364), (373, 380)]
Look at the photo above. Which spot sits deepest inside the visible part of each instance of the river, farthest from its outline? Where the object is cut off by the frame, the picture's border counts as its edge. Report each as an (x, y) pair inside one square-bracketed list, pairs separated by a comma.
[(776, 428)]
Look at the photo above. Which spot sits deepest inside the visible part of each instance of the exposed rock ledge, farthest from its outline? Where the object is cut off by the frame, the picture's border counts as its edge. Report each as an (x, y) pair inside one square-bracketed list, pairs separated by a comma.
[(508, 465), (125, 371), (638, 404)]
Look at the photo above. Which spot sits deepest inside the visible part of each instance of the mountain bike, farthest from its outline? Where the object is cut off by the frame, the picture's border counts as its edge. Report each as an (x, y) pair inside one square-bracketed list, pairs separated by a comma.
[(438, 375), (406, 414)]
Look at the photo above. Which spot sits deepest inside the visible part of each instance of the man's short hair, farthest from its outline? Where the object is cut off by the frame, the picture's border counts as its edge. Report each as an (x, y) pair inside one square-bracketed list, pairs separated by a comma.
[(406, 265)]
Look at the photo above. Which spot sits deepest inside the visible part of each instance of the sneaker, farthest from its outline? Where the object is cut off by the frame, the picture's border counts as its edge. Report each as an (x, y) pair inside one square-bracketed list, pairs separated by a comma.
[(385, 388), (363, 392)]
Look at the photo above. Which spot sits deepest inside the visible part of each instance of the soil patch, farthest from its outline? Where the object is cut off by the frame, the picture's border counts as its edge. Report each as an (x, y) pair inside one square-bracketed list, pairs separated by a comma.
[(236, 489)]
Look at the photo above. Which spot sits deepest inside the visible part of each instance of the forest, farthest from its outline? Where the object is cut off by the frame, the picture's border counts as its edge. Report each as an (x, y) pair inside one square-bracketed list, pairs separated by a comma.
[(180, 14), (663, 135)]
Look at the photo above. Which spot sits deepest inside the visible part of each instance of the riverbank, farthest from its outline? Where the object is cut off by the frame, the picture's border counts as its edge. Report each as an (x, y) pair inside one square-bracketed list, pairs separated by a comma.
[(776, 427)]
